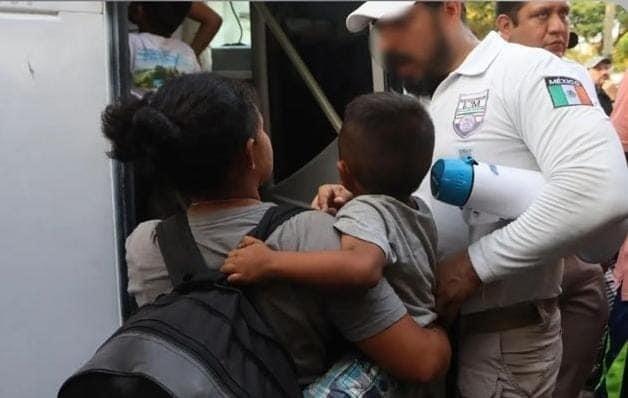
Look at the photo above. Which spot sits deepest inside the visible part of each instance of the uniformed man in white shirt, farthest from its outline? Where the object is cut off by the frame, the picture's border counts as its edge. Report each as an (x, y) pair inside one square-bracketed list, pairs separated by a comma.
[(583, 303), (519, 107)]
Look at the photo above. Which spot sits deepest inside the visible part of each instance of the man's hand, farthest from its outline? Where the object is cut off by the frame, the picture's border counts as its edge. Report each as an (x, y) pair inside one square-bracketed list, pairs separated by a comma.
[(456, 281), (249, 263), (331, 197), (622, 265), (611, 89)]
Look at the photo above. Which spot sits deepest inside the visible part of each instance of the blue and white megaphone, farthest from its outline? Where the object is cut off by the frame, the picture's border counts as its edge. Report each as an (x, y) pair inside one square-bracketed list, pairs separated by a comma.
[(506, 192)]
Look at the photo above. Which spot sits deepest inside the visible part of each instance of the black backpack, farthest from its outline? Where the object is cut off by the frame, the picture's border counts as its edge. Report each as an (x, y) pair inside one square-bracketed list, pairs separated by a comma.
[(205, 339)]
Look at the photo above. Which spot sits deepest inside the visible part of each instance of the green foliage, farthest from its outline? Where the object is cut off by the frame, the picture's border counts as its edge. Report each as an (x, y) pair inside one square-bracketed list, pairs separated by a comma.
[(587, 18), (620, 53), (481, 17)]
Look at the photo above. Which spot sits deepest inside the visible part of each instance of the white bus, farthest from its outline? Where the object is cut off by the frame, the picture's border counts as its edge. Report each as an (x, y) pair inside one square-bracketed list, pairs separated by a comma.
[(66, 209)]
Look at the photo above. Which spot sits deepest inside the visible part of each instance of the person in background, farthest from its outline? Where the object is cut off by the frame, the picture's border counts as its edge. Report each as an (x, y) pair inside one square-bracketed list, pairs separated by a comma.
[(210, 22), (614, 381), (619, 117), (542, 24), (582, 303), (600, 69), (154, 56)]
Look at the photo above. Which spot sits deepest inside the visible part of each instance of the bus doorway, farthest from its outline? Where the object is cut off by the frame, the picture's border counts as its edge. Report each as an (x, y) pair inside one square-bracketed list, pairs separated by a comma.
[(301, 132)]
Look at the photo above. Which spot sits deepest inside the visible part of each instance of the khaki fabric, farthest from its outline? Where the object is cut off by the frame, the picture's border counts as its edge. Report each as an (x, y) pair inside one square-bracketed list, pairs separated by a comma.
[(584, 314), (521, 362)]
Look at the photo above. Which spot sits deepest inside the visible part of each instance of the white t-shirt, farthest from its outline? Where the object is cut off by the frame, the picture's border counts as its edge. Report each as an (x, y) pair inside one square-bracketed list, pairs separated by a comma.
[(524, 107), (154, 59)]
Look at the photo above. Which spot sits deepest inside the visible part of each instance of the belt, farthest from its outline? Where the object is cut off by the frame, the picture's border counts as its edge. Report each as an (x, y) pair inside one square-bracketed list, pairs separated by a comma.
[(507, 318)]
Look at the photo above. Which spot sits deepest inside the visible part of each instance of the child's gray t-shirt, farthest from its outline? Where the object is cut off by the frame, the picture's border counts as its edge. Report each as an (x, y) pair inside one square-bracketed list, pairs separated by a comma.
[(407, 236)]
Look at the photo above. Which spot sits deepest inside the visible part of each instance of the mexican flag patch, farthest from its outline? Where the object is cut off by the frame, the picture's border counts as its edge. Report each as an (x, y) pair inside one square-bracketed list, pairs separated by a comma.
[(566, 91)]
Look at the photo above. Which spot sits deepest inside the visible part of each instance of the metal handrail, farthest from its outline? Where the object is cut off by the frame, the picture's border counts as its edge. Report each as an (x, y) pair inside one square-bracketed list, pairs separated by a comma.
[(294, 57)]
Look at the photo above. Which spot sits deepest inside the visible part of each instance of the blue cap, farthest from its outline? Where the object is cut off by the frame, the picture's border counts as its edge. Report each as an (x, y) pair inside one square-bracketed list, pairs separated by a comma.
[(452, 180)]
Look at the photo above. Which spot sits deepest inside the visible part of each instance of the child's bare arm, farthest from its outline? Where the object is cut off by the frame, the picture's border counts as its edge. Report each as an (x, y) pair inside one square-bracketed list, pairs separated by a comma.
[(357, 264), (210, 23)]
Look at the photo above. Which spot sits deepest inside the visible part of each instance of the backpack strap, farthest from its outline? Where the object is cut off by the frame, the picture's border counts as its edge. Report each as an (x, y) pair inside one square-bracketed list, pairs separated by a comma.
[(273, 218), (182, 256), (184, 260)]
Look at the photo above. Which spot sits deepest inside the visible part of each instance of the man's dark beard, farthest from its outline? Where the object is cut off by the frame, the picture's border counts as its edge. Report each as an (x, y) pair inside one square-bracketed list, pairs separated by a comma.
[(438, 71), (424, 87)]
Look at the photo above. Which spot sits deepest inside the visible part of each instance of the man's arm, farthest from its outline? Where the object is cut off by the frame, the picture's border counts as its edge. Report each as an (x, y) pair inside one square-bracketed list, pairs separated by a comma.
[(409, 351), (579, 154), (210, 23), (619, 116), (358, 264)]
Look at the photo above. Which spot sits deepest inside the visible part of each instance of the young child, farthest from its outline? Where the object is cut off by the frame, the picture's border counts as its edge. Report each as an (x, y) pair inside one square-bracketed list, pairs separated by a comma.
[(153, 55), (385, 150)]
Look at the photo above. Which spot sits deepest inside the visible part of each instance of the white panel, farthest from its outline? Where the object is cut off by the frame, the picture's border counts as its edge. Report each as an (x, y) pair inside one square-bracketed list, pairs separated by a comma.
[(51, 6), (58, 282)]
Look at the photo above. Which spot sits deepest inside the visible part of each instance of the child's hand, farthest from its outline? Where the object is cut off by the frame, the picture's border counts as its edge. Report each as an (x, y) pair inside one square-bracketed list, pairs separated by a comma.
[(331, 197), (249, 263)]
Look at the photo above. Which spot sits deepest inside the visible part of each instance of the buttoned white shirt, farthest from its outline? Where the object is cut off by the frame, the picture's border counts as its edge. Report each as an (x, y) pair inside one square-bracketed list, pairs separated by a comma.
[(523, 107)]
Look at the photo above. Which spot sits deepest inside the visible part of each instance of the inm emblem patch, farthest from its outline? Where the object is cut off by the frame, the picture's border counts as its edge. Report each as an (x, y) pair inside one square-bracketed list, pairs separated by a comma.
[(566, 91), (470, 112)]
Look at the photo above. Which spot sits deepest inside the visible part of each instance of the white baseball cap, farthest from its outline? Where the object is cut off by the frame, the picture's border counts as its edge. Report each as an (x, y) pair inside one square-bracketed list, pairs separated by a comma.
[(376, 10), (595, 61)]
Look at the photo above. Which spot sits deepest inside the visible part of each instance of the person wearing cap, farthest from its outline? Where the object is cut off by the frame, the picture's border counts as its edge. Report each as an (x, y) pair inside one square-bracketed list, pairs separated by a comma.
[(600, 70), (583, 303), (520, 107)]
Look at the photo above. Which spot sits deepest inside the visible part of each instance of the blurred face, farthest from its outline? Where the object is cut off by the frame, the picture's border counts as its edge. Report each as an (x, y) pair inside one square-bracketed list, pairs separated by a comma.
[(414, 46), (600, 73), (263, 153), (542, 24), (136, 15)]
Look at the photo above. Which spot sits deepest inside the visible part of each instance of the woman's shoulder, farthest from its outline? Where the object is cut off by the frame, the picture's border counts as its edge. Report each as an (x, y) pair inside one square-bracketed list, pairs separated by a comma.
[(143, 237), (142, 250), (307, 231), (146, 269)]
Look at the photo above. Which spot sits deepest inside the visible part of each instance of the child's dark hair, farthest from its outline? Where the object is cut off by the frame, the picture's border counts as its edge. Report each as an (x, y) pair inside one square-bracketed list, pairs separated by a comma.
[(160, 17), (192, 131), (387, 140)]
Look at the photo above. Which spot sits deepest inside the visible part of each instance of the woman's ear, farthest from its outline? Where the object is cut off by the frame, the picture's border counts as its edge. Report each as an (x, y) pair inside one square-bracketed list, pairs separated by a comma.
[(250, 153), (504, 25)]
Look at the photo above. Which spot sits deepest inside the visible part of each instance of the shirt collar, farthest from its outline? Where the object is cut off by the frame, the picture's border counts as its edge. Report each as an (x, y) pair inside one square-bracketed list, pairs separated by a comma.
[(482, 55)]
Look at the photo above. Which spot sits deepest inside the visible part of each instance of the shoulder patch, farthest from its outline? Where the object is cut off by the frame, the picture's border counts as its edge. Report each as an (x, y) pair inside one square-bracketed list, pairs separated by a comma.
[(566, 91)]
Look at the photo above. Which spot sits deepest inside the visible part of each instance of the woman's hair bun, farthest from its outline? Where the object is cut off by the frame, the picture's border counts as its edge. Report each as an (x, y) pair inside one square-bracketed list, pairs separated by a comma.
[(137, 130), (191, 132), (154, 129)]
